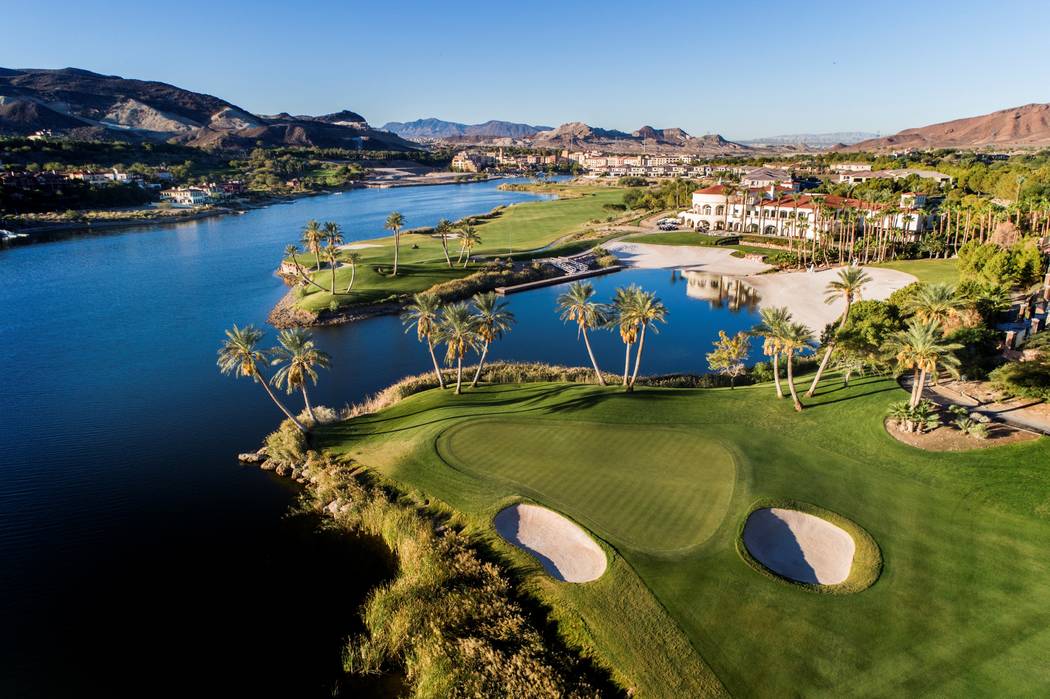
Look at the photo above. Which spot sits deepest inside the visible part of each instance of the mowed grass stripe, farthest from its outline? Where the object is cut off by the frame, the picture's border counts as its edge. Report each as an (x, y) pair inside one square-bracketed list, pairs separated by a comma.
[(652, 489)]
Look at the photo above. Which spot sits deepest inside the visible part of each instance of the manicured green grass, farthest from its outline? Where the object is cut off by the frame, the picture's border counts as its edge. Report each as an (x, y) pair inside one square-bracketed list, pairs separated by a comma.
[(674, 238), (927, 270), (644, 470), (521, 227), (962, 606)]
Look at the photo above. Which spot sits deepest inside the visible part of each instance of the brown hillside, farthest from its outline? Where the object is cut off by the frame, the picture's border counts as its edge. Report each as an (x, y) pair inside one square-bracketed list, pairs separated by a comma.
[(1021, 126)]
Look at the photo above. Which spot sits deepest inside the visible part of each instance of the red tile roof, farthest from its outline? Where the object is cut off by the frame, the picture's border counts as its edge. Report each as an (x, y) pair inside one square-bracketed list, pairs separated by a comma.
[(713, 189)]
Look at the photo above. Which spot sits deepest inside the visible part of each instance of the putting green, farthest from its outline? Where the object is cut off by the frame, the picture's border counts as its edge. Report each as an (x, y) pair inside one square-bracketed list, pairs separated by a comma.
[(657, 490)]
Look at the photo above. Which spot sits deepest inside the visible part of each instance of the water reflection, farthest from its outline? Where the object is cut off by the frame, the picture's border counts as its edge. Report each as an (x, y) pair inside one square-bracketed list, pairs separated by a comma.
[(721, 291)]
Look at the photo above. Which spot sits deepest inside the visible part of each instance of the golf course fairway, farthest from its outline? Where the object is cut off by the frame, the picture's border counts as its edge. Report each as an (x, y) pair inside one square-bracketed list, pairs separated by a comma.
[(663, 480)]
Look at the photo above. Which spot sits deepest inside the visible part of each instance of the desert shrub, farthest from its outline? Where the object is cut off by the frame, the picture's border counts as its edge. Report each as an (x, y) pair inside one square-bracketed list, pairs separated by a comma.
[(902, 297), (781, 259), (333, 305), (449, 619), (484, 280), (286, 445), (1025, 379), (606, 261), (965, 423), (980, 350), (614, 207), (922, 418), (762, 372)]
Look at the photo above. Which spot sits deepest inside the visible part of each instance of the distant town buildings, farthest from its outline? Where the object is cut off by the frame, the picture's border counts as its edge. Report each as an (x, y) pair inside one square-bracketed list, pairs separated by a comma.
[(764, 177), (850, 167), (467, 161), (186, 196)]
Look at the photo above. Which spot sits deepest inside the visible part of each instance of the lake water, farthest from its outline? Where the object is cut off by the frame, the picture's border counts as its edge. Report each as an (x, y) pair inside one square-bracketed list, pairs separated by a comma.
[(136, 555)]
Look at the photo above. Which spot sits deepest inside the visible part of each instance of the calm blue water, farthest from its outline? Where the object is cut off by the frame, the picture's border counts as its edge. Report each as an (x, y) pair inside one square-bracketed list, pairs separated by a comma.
[(132, 544)]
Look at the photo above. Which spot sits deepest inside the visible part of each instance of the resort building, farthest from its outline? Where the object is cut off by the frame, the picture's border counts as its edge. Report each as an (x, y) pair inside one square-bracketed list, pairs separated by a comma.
[(768, 177), (856, 177), (777, 211), (466, 161), (851, 167), (186, 196)]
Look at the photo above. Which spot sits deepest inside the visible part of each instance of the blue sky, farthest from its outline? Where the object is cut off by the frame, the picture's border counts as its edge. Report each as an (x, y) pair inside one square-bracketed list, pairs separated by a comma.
[(742, 70)]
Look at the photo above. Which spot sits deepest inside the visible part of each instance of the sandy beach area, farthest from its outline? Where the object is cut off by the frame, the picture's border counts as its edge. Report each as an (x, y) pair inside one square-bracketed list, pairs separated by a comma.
[(802, 292)]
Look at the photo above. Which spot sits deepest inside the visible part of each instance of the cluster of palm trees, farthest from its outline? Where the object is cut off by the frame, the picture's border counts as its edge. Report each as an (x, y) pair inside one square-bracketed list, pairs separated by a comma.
[(920, 348), (296, 355), (468, 240), (322, 241), (460, 327), (632, 312)]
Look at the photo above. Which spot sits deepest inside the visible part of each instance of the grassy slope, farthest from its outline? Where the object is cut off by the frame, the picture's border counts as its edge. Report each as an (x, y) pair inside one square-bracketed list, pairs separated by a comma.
[(422, 263), (927, 270), (962, 605)]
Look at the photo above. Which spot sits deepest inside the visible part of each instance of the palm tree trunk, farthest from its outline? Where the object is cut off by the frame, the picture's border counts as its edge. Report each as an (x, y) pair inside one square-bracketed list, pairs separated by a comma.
[(353, 274), (917, 396), (444, 248), (333, 276), (776, 374), (433, 358), (397, 249), (481, 363), (459, 375), (309, 408), (638, 357), (627, 364), (288, 414), (590, 353), (304, 275), (791, 382), (827, 353)]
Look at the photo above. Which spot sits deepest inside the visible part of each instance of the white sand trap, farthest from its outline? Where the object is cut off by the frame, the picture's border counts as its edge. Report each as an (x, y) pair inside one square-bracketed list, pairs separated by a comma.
[(358, 246), (565, 550), (799, 546)]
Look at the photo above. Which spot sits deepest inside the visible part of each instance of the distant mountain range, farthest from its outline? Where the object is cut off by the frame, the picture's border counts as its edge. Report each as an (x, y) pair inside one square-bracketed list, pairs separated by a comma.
[(87, 105), (813, 140), (574, 134), (1019, 126), (438, 129)]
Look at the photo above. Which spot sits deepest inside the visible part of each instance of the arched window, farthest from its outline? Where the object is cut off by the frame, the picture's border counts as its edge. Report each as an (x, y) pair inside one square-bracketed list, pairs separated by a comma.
[(706, 209), (771, 230), (752, 228), (720, 210)]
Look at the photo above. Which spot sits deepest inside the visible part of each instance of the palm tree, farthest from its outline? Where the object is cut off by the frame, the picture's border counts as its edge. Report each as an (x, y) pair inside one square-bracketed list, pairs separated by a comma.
[(935, 303), (394, 223), (313, 236), (848, 286), (444, 228), (576, 305), (648, 310), (353, 258), (774, 322), (625, 319), (422, 314), (333, 238), (920, 348), (456, 330), (796, 338), (240, 355), (291, 251), (491, 321), (467, 240), (300, 360)]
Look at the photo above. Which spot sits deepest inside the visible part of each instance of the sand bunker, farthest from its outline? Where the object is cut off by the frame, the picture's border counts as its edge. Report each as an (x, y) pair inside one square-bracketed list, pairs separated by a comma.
[(358, 246), (799, 546), (565, 550)]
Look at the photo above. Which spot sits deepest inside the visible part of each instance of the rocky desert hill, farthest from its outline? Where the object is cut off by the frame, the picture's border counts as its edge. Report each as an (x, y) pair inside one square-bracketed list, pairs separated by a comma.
[(88, 105), (440, 130), (577, 135), (1020, 126)]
